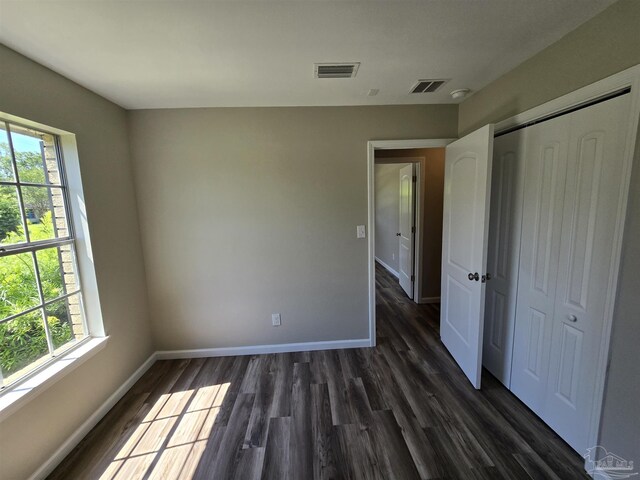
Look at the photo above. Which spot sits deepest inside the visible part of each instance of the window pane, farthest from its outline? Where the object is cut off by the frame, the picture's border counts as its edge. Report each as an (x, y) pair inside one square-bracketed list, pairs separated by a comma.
[(18, 288), (6, 165), (65, 322), (23, 345), (44, 208), (35, 155), (49, 266), (28, 148), (57, 273), (11, 228)]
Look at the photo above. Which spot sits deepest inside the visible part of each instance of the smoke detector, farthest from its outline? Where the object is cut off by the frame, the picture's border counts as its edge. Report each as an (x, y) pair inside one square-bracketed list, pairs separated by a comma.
[(460, 93)]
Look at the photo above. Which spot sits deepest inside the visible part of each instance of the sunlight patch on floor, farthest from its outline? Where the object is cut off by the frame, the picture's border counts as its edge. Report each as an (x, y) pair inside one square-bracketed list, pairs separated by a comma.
[(171, 439)]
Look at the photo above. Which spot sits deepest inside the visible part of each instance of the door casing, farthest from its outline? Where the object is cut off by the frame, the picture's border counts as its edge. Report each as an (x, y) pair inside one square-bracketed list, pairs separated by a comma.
[(372, 146)]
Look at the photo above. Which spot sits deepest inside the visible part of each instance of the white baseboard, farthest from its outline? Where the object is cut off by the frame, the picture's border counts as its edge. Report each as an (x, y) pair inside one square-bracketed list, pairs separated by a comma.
[(391, 270), (430, 300), (261, 349), (91, 422)]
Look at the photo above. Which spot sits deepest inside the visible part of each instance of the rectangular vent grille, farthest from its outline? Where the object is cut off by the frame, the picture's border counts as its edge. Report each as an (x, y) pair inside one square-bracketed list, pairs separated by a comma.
[(336, 70), (428, 86)]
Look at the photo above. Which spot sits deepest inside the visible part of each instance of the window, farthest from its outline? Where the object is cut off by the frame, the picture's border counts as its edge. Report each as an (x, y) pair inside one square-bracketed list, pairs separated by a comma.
[(41, 310)]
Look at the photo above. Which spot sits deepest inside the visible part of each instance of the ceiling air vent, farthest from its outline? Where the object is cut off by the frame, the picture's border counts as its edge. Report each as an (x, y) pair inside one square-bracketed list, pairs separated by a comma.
[(336, 70), (428, 86)]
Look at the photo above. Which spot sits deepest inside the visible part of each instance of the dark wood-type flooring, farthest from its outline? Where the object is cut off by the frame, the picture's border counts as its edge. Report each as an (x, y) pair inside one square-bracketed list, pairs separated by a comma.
[(401, 410)]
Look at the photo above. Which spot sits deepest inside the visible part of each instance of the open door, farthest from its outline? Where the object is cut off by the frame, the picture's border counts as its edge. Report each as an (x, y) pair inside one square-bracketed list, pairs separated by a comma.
[(406, 230), (467, 185)]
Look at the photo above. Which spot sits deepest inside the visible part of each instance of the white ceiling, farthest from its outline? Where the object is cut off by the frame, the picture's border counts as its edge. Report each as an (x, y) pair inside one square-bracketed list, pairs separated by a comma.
[(157, 54)]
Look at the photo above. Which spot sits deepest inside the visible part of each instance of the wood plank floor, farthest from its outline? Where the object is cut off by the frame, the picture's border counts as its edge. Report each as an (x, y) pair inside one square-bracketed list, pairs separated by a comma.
[(401, 410)]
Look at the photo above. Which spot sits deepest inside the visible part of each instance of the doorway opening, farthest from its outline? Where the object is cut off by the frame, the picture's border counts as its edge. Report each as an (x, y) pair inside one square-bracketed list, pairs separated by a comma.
[(406, 183)]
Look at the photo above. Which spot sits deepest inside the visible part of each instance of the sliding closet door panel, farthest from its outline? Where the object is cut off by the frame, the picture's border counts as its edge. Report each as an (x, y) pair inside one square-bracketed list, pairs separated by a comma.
[(545, 170), (590, 219), (504, 252)]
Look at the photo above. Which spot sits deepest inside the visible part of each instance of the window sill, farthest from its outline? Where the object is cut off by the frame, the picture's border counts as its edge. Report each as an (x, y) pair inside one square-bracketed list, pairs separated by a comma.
[(16, 397)]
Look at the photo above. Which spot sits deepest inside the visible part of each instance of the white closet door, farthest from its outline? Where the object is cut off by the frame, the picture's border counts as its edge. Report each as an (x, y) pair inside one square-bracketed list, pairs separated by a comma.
[(504, 253), (467, 183), (590, 220), (540, 247)]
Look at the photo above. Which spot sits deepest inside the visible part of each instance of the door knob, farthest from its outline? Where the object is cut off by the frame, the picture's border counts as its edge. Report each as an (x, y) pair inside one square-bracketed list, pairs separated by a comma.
[(488, 276), (398, 234), (572, 318), (474, 276)]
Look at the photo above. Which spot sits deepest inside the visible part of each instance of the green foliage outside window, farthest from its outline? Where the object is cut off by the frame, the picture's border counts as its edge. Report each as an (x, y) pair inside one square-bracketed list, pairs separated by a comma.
[(23, 340), (9, 214), (30, 170)]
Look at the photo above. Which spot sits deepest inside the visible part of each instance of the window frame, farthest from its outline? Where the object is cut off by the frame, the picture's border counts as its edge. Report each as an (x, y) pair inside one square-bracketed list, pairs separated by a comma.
[(32, 247)]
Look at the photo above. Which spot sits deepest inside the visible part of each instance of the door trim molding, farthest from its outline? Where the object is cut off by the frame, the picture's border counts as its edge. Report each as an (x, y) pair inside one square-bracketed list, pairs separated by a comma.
[(417, 188), (629, 78), (372, 146), (624, 79)]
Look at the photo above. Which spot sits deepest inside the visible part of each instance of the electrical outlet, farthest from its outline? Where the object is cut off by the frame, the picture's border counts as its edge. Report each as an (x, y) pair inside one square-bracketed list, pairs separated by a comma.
[(360, 231), (275, 319)]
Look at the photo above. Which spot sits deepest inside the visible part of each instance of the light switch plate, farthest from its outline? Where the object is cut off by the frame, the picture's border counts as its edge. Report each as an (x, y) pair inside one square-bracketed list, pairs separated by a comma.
[(275, 319), (360, 231)]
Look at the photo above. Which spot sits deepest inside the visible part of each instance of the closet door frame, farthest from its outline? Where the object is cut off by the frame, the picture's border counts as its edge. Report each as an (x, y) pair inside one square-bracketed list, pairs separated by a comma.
[(627, 79)]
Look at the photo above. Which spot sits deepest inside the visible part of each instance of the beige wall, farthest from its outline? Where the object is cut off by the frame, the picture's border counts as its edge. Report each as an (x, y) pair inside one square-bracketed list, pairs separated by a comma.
[(249, 211), (432, 178), (387, 197), (29, 436), (608, 43)]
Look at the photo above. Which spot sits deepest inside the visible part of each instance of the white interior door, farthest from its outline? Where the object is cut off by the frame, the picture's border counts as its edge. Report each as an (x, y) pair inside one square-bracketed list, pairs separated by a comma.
[(467, 184), (406, 230), (504, 252), (545, 174), (591, 216)]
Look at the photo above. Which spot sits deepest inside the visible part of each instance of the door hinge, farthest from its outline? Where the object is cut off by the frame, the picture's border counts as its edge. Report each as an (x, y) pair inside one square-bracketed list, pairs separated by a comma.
[(413, 278), (413, 229), (415, 179)]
